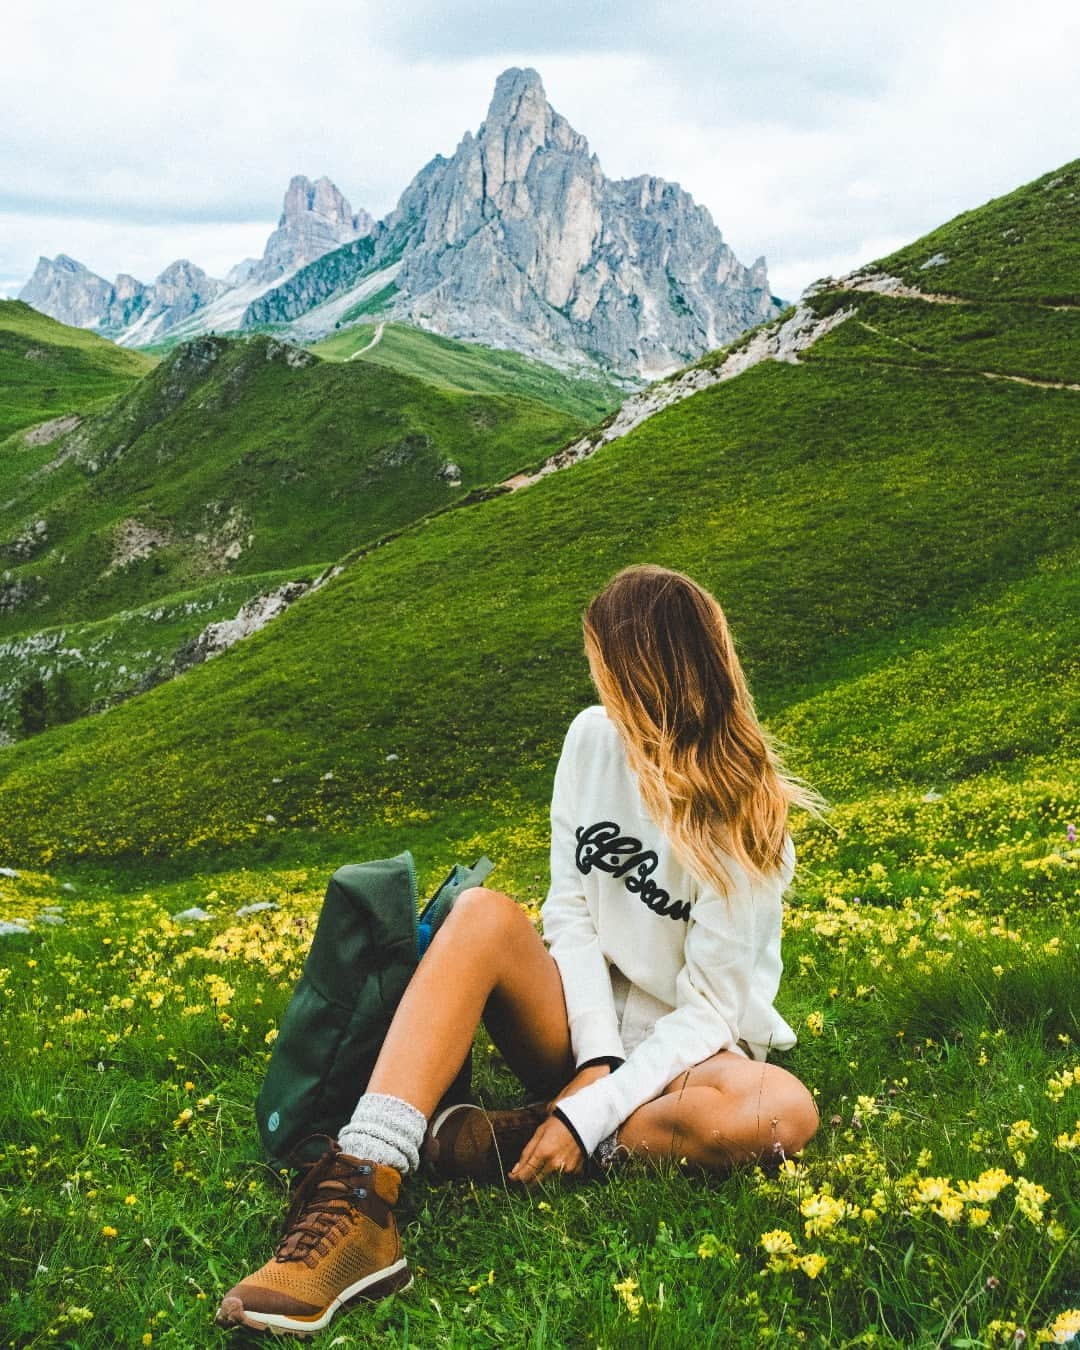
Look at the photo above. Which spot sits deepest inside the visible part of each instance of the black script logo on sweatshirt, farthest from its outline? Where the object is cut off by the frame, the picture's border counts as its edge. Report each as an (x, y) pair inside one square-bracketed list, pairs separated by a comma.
[(602, 845)]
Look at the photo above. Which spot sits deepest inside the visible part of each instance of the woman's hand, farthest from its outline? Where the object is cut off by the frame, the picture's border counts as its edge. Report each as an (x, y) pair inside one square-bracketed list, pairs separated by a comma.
[(552, 1149)]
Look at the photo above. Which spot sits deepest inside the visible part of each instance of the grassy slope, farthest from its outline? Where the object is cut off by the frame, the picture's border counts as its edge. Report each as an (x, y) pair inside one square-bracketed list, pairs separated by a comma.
[(47, 368), (470, 368), (1022, 246), (873, 493), (106, 659), (311, 461), (896, 546)]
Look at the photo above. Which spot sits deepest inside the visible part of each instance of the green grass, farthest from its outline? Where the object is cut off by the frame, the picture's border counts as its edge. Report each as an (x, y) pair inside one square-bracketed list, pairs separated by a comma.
[(874, 495), (1026, 340), (107, 660), (48, 369), (947, 1007), (1022, 246), (308, 461), (470, 368), (893, 536)]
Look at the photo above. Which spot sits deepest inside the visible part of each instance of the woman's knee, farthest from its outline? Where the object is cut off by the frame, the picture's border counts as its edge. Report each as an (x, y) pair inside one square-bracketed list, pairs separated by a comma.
[(482, 912), (732, 1128), (796, 1115)]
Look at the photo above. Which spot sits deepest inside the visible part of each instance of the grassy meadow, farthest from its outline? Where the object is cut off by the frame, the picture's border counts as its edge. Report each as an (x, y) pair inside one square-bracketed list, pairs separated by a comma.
[(891, 527)]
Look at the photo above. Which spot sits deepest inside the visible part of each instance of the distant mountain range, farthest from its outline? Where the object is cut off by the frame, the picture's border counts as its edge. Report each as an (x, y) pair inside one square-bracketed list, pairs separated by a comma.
[(518, 240)]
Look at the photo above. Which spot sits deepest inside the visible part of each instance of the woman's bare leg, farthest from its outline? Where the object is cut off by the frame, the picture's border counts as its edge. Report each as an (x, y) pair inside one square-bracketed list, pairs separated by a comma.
[(725, 1110), (486, 961)]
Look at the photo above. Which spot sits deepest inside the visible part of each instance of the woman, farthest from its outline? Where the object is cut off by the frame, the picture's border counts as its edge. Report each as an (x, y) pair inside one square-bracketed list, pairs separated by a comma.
[(646, 1019)]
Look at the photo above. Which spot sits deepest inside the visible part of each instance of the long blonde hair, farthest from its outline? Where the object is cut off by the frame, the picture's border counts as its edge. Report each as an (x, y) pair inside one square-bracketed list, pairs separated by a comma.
[(665, 666)]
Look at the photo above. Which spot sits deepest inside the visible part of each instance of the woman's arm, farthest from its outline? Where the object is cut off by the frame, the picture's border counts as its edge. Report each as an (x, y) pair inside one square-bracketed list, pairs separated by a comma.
[(569, 930), (724, 944)]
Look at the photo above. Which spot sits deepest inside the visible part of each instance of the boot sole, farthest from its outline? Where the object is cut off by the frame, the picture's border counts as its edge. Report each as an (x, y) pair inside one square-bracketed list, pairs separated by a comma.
[(393, 1279)]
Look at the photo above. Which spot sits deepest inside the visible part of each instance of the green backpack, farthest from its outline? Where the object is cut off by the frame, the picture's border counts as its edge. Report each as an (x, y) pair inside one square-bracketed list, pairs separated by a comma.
[(368, 941)]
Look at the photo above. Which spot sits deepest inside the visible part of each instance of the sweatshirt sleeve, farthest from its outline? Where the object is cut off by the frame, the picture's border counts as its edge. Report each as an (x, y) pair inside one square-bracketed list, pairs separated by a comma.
[(569, 929), (713, 989)]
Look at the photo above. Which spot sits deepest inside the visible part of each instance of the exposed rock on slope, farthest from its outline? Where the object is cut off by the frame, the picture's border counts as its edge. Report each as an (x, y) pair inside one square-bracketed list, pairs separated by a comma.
[(775, 342)]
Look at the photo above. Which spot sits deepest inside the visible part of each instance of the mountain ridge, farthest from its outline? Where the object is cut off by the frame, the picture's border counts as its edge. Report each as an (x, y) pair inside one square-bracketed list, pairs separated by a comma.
[(517, 240)]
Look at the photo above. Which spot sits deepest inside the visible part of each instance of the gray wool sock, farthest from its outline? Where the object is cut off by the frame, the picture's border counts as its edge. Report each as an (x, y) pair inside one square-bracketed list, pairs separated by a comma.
[(386, 1130)]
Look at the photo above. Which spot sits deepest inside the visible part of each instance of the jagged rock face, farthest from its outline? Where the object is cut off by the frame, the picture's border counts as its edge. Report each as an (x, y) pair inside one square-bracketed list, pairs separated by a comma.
[(315, 219), (519, 239), (128, 300), (179, 291), (240, 272), (68, 291)]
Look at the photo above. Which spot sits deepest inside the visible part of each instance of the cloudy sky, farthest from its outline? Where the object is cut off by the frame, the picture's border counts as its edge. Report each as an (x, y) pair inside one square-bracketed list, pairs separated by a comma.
[(822, 134)]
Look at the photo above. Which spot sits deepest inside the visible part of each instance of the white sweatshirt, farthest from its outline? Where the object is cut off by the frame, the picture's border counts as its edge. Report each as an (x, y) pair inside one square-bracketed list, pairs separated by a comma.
[(701, 972)]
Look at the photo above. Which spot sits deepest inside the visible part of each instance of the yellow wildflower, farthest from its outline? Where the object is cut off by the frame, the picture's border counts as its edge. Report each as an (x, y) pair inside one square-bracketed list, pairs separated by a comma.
[(708, 1246), (950, 1209), (931, 1190), (1021, 1132), (812, 1264), (986, 1187), (627, 1291), (1059, 1083), (1064, 1327), (1067, 1143), (778, 1242), (1030, 1198)]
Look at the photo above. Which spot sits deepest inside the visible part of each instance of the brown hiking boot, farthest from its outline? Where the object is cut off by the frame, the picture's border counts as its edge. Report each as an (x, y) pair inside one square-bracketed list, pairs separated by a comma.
[(340, 1244), (467, 1141)]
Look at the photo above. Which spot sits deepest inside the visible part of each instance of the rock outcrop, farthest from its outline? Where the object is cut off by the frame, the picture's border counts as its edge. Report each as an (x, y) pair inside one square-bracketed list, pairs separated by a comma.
[(315, 219)]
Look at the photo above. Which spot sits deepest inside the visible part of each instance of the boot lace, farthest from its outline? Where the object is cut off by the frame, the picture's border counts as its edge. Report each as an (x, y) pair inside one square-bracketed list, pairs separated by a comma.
[(330, 1189)]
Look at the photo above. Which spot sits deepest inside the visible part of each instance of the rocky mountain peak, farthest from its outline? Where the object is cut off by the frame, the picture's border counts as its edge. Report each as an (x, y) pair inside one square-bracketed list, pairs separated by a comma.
[(519, 240), (520, 121), (315, 219), (321, 198)]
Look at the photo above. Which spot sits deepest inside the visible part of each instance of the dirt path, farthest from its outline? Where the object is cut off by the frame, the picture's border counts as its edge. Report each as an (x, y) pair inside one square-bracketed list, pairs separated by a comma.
[(373, 343), (988, 374), (1023, 379)]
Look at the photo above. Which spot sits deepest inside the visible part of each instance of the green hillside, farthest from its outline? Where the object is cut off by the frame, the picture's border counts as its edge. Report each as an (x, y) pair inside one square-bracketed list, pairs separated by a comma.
[(891, 525), (242, 456), (102, 661), (879, 489), (1023, 246), (471, 368), (48, 369)]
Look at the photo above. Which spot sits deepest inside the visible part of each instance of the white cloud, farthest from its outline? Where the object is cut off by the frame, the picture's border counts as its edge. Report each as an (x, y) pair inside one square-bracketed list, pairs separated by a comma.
[(819, 133)]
